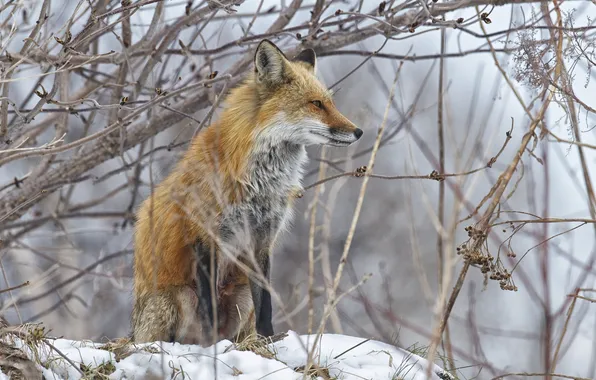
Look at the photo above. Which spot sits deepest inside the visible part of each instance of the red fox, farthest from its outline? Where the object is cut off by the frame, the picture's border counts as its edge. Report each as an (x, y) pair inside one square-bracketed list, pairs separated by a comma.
[(219, 211)]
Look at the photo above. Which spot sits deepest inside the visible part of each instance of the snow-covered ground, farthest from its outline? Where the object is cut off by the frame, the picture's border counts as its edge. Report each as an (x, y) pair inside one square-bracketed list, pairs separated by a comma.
[(338, 357)]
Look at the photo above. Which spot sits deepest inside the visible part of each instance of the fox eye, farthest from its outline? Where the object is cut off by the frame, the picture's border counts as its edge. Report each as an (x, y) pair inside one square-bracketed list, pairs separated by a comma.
[(317, 104)]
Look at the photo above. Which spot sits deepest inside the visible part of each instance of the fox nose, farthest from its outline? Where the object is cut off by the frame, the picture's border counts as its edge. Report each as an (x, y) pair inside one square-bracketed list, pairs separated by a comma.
[(358, 133)]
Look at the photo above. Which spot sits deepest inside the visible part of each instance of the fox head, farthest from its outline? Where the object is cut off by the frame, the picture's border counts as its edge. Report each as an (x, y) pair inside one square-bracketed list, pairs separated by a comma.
[(294, 105)]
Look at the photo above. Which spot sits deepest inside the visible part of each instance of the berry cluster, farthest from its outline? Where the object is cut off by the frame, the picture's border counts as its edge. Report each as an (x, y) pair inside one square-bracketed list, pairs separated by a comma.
[(492, 269), (360, 171)]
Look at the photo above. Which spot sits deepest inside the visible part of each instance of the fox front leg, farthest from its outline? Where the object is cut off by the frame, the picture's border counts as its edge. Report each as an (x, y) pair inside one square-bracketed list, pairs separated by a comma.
[(205, 258), (260, 295)]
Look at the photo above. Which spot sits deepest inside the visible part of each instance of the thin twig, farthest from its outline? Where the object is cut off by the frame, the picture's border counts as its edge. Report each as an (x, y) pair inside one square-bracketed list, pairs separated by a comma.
[(26, 283)]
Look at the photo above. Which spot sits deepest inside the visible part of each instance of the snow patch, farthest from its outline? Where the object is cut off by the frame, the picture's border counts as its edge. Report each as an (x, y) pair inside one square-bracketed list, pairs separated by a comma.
[(344, 357)]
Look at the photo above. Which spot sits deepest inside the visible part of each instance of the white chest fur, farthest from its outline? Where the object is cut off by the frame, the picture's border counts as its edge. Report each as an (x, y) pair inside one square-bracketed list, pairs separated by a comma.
[(274, 172)]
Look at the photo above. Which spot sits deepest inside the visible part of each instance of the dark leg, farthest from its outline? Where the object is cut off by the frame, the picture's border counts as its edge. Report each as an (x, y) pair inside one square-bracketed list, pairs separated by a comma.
[(262, 298), (204, 268)]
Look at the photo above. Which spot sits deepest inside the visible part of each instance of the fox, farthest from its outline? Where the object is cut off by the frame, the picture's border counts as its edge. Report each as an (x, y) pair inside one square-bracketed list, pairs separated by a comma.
[(203, 238)]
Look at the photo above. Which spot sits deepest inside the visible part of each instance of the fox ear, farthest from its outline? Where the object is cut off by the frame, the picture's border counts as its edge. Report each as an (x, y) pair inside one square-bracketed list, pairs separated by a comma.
[(309, 57), (269, 63)]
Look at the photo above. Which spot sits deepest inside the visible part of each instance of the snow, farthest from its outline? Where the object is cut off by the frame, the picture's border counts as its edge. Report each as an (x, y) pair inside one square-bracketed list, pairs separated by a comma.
[(160, 360)]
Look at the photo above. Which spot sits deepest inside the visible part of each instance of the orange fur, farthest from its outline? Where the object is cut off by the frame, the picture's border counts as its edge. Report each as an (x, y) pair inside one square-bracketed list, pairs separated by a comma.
[(211, 175)]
